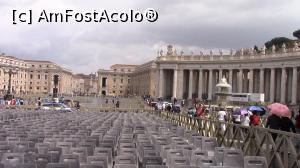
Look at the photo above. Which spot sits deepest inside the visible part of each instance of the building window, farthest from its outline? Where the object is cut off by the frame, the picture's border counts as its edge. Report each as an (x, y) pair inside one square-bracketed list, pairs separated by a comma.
[(114, 79), (38, 88), (122, 70), (40, 66), (45, 83), (128, 80), (30, 88), (32, 65), (121, 80), (45, 88), (46, 77), (121, 91), (31, 76), (30, 83), (39, 76), (47, 66), (115, 69), (129, 70), (114, 91)]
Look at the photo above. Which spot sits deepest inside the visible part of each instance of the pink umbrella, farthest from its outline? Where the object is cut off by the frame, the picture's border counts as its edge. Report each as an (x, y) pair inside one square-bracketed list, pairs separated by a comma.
[(280, 110)]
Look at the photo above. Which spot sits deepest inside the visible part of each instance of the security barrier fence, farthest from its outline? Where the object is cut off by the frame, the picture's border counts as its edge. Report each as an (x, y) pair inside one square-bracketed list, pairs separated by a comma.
[(281, 149)]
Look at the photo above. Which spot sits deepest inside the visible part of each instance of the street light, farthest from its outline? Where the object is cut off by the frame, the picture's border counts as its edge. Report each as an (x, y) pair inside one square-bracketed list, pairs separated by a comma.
[(10, 71)]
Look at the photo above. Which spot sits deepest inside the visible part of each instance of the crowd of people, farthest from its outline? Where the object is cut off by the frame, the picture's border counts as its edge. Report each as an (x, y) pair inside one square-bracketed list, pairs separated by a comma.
[(248, 118), (114, 100)]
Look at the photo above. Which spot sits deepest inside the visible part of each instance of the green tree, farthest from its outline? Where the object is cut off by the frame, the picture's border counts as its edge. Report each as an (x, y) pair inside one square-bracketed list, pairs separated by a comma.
[(278, 41), (256, 49), (297, 34)]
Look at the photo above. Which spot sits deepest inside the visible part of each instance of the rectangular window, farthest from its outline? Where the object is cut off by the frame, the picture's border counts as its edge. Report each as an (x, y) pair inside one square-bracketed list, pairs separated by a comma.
[(121, 80), (46, 77), (114, 79), (39, 76), (38, 88), (128, 80), (31, 76)]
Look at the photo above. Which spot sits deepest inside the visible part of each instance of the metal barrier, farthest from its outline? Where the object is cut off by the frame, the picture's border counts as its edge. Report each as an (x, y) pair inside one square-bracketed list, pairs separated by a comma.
[(280, 148)]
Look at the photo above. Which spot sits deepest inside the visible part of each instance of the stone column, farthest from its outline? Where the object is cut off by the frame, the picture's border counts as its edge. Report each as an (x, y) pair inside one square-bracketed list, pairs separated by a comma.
[(294, 85), (180, 83), (200, 84), (261, 80), (175, 85), (251, 81), (240, 79), (230, 77), (272, 85), (210, 76), (283, 85), (190, 96), (156, 83), (161, 83), (220, 74)]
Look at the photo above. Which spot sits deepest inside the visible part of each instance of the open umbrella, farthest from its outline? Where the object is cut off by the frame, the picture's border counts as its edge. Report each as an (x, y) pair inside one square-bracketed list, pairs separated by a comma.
[(280, 110), (240, 111), (257, 109)]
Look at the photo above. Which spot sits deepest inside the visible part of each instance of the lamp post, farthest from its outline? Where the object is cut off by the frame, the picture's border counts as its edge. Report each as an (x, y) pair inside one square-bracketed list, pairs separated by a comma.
[(10, 71)]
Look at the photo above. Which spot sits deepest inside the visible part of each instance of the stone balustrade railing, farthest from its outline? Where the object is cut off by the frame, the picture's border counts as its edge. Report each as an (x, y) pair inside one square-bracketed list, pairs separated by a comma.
[(292, 52)]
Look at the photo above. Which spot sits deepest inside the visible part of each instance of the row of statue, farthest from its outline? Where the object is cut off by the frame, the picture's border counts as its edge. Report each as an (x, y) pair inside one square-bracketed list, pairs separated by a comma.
[(250, 51)]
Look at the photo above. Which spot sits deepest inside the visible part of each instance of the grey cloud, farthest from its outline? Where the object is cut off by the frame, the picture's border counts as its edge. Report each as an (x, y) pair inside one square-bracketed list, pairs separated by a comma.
[(188, 25)]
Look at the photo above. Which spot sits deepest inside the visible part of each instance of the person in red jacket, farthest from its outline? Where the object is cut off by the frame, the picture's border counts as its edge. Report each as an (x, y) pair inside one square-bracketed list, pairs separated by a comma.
[(200, 111), (255, 119)]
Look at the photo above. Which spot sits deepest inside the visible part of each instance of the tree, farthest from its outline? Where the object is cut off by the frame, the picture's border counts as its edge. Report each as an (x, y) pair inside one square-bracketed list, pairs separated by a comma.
[(297, 34), (256, 49), (278, 41)]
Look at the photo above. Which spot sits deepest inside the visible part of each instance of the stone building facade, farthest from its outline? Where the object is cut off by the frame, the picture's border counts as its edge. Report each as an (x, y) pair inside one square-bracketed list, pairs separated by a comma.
[(88, 84), (115, 82), (275, 72), (36, 77)]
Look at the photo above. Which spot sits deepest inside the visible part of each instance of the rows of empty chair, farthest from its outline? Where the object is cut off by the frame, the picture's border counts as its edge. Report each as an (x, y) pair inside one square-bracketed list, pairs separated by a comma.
[(110, 140)]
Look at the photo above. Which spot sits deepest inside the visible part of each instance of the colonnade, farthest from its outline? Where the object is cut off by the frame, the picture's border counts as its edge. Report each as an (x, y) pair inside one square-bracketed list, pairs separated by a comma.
[(278, 84)]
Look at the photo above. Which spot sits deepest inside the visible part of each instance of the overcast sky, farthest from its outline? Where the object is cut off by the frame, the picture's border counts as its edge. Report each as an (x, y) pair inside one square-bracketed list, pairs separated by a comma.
[(186, 24)]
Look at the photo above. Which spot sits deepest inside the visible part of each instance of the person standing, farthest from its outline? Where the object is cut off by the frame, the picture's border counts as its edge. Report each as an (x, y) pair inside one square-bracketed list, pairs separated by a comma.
[(287, 125), (273, 122), (255, 119), (39, 102), (297, 125), (246, 120), (222, 118)]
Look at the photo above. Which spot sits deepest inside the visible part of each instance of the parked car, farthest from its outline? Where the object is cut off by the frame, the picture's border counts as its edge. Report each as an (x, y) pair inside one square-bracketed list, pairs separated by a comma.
[(56, 106)]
